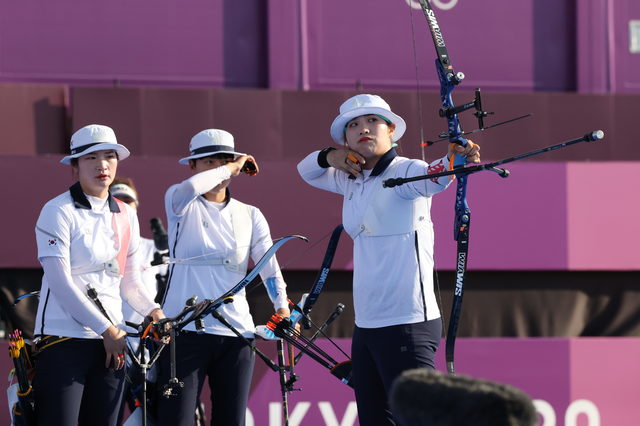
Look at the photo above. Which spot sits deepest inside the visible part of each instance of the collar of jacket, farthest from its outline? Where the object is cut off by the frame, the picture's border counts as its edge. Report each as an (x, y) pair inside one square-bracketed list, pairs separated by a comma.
[(227, 197), (384, 162), (81, 202)]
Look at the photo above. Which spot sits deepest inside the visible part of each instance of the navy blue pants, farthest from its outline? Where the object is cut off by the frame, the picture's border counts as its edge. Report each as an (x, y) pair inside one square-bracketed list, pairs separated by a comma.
[(382, 354), (228, 363), (72, 385)]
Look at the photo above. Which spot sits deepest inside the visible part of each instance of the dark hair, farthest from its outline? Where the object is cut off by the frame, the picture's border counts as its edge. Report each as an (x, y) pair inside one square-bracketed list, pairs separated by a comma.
[(74, 161), (423, 397), (219, 156)]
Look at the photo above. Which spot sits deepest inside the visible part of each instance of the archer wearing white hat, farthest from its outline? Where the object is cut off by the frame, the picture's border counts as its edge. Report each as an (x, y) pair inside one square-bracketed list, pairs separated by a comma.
[(87, 241), (92, 138), (391, 228), (212, 236)]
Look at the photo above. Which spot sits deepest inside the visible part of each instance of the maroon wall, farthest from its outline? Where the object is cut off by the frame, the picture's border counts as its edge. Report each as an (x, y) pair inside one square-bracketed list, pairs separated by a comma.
[(279, 128)]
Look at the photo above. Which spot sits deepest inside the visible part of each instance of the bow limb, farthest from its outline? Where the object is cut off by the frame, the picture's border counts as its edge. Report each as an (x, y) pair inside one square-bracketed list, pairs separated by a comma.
[(302, 309), (461, 233), (318, 284), (278, 328), (205, 307), (312, 297), (262, 262)]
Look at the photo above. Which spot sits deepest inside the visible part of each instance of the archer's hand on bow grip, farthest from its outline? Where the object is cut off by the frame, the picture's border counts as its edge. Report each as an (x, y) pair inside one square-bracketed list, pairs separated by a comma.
[(296, 310), (470, 150), (158, 329)]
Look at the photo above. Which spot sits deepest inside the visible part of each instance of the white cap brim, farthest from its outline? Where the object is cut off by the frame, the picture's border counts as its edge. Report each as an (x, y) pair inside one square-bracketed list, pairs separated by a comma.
[(185, 160), (339, 124), (122, 151)]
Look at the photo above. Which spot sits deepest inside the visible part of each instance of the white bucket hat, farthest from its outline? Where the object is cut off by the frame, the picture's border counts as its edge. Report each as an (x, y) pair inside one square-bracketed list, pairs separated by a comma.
[(94, 137), (209, 142), (364, 105)]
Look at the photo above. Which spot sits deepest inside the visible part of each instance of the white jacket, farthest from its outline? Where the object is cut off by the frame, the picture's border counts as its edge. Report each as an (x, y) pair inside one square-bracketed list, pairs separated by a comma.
[(393, 237)]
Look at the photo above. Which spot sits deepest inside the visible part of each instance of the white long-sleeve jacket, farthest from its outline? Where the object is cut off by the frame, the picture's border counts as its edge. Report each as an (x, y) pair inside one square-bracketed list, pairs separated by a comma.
[(211, 244), (393, 237), (76, 238)]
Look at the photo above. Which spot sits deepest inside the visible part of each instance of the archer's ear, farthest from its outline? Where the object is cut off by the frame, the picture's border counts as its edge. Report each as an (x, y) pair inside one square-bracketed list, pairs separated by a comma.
[(392, 129)]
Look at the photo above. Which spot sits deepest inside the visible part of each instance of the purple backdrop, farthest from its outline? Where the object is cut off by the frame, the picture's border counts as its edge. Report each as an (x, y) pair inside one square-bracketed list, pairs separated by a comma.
[(573, 382), (500, 44), (604, 61), (503, 45), (337, 44), (208, 43)]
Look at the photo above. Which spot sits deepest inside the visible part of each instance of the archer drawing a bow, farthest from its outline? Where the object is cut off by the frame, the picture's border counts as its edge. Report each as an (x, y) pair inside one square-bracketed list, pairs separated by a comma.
[(449, 79)]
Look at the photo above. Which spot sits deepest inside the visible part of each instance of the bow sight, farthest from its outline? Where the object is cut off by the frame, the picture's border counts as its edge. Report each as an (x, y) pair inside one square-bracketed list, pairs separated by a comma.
[(480, 114)]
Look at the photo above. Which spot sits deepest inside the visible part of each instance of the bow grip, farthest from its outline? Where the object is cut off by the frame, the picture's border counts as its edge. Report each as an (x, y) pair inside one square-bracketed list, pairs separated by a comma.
[(458, 159)]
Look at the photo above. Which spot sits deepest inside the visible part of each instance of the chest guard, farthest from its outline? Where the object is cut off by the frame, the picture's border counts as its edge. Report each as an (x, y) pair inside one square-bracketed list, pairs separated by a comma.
[(238, 260), (122, 236), (242, 226), (386, 213)]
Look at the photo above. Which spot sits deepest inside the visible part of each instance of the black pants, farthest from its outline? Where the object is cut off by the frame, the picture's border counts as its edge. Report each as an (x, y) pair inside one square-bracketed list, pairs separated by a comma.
[(228, 363), (72, 385), (382, 354)]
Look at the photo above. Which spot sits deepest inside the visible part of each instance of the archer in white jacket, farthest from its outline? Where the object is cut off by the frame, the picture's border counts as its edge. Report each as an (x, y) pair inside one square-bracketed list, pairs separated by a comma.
[(211, 238), (398, 324)]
